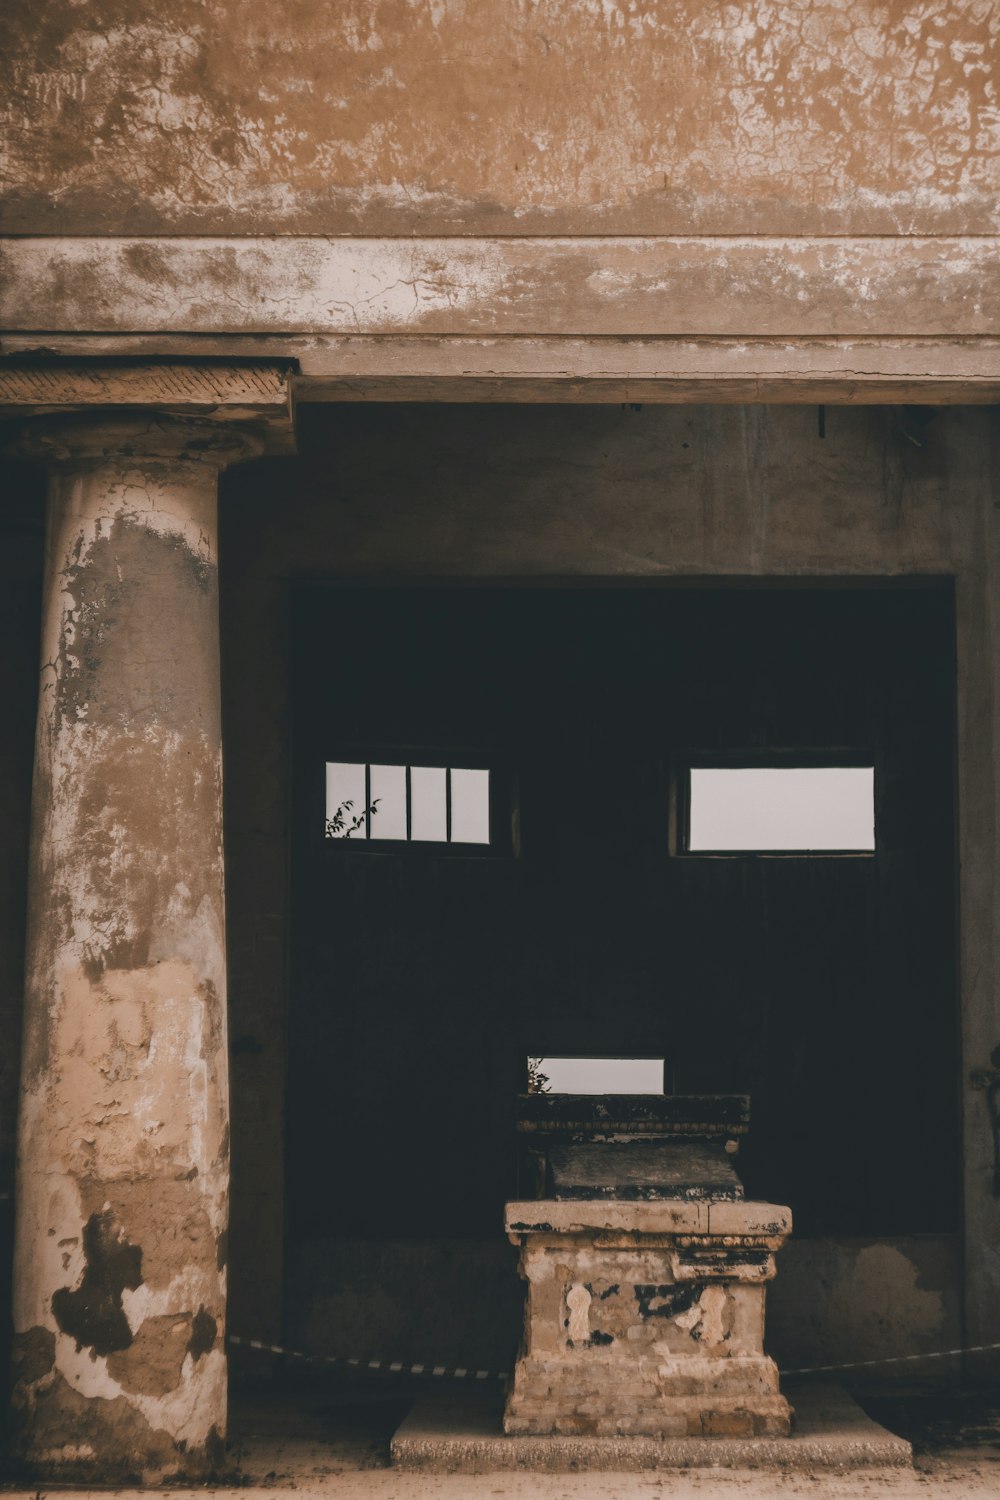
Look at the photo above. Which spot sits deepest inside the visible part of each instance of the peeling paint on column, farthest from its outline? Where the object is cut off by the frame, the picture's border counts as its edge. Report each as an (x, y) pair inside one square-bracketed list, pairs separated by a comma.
[(119, 1301)]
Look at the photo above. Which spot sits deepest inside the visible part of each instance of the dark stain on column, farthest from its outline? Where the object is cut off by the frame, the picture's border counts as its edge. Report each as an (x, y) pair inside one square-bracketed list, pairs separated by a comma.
[(93, 1313), (203, 1334), (34, 1354), (125, 619), (66, 1419)]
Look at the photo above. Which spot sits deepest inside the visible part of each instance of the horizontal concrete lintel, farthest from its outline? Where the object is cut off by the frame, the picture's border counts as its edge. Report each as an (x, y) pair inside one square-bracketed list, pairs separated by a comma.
[(931, 371), (677, 286), (88, 369)]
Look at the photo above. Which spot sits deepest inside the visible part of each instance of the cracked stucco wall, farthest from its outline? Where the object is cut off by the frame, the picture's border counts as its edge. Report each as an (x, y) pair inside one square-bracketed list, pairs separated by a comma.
[(461, 116)]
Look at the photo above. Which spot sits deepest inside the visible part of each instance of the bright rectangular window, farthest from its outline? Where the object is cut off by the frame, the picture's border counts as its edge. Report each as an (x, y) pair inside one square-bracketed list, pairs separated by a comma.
[(781, 809), (595, 1075), (407, 804)]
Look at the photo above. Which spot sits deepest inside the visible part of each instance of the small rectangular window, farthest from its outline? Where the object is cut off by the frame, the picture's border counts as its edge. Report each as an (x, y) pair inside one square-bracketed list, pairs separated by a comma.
[(781, 809), (408, 804), (595, 1075)]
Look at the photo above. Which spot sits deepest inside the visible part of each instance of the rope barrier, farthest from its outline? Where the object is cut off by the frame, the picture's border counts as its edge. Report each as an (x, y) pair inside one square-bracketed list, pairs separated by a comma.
[(457, 1372), (383, 1366), (895, 1359)]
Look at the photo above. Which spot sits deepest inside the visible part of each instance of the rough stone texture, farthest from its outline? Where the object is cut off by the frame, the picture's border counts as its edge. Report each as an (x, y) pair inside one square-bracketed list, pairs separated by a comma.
[(637, 1169), (428, 117), (119, 1299), (646, 1319), (462, 1434)]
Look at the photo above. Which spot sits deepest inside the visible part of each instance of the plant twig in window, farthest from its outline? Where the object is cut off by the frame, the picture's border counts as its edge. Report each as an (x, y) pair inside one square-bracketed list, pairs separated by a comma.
[(343, 823)]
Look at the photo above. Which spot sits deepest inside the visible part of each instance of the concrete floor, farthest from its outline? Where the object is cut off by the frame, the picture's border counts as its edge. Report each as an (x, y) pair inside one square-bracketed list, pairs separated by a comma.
[(334, 1445)]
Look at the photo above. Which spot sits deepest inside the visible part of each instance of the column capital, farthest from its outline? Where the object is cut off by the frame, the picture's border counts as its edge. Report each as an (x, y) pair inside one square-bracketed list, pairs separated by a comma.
[(93, 439), (72, 398)]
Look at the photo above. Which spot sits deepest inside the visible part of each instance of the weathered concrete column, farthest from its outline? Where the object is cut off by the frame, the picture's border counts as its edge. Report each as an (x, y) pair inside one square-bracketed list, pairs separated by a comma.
[(123, 1171)]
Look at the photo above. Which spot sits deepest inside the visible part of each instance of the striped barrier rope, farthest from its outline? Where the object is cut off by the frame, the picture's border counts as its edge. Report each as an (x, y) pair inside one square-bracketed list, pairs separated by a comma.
[(457, 1372), (382, 1366), (896, 1359)]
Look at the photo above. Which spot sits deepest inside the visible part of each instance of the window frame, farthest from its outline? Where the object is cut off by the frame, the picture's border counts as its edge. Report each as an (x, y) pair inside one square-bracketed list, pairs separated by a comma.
[(505, 812), (764, 758)]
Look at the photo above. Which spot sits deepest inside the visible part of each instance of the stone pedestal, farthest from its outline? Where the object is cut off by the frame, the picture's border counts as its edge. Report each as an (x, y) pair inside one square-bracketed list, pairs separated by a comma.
[(646, 1318), (123, 1170)]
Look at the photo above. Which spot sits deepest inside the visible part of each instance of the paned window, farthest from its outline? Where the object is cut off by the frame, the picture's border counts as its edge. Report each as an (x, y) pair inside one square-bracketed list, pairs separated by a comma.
[(374, 802)]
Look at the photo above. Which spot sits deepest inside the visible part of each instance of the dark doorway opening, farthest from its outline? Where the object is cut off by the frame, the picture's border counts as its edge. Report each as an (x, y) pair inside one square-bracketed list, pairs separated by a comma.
[(823, 985)]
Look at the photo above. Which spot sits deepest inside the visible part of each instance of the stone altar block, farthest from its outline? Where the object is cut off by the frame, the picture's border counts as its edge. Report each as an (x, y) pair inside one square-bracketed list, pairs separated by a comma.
[(646, 1272)]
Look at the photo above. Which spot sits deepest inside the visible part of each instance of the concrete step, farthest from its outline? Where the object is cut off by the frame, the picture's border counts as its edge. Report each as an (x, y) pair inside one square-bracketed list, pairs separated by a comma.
[(462, 1433)]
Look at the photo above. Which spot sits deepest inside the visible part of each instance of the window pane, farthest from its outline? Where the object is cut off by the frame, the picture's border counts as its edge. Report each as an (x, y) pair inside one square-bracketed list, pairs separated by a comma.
[(345, 800), (388, 794), (470, 807), (761, 808), (428, 810), (599, 1075)]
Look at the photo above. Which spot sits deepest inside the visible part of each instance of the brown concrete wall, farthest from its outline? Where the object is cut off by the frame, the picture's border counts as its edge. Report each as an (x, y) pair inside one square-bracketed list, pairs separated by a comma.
[(254, 788), (833, 1301), (392, 117), (21, 527), (383, 492), (437, 491), (836, 1301)]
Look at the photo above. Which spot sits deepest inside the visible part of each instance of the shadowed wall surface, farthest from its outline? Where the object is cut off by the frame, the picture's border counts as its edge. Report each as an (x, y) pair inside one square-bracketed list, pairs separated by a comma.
[(20, 612), (503, 493)]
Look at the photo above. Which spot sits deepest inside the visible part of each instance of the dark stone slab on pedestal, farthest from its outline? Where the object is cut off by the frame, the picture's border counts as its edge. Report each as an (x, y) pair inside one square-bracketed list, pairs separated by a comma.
[(635, 1114), (643, 1169)]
